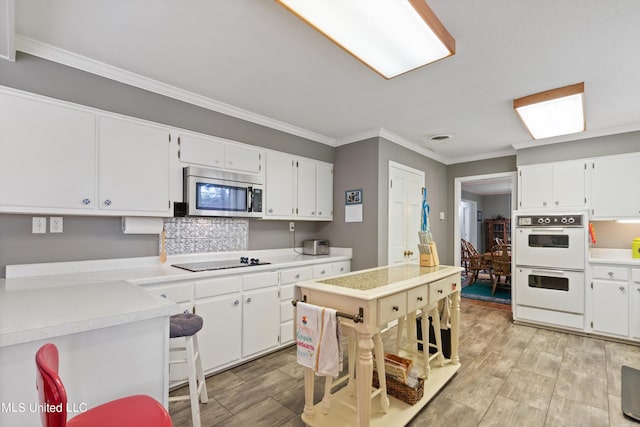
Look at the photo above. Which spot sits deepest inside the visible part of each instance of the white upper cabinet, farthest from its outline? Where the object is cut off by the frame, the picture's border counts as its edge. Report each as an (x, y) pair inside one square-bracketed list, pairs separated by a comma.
[(553, 185), (243, 159), (47, 155), (324, 190), (279, 186), (306, 191), (298, 188), (133, 166), (213, 152), (199, 150), (613, 182)]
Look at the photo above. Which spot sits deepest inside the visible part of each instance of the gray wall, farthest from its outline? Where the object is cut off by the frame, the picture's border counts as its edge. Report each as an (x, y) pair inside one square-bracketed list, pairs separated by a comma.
[(355, 168), (581, 149), (481, 167), (100, 237), (436, 184)]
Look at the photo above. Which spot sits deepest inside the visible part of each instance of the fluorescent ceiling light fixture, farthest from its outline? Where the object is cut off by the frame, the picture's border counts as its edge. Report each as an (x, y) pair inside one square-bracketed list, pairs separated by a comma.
[(628, 221), (554, 112), (392, 37)]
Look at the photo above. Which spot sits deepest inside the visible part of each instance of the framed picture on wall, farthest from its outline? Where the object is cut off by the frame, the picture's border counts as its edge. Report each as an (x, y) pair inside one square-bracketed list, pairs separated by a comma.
[(353, 197), (479, 216)]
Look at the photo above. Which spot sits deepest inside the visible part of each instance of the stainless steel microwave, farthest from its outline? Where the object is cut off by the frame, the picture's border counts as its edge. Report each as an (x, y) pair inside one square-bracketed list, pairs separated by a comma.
[(209, 192)]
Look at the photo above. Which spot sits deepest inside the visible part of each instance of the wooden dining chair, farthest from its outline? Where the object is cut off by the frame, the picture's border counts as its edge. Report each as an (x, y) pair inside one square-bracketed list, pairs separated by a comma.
[(477, 263), (464, 257), (501, 260)]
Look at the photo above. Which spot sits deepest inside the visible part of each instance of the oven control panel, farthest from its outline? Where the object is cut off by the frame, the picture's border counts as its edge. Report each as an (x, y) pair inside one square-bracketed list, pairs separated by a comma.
[(550, 221)]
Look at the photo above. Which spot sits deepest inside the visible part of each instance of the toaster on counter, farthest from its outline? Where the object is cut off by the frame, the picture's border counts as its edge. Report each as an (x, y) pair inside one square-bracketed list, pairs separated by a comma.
[(315, 247)]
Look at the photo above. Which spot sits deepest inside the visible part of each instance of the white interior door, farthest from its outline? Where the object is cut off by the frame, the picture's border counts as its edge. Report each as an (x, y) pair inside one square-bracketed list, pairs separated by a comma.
[(405, 200), (468, 226)]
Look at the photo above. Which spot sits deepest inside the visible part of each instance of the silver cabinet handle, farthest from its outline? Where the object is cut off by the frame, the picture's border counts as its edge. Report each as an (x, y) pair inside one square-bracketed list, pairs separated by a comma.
[(396, 308), (236, 302), (107, 202), (270, 210), (621, 288), (610, 274), (322, 272), (319, 213), (86, 202), (297, 276), (419, 298), (163, 295), (249, 300), (440, 291)]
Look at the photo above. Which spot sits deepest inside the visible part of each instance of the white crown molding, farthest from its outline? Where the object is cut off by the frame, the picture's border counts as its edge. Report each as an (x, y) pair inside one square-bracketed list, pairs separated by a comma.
[(8, 18), (65, 57), (577, 137)]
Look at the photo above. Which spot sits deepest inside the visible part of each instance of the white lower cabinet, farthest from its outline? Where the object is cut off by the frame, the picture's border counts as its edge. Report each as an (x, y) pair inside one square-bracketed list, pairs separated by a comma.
[(611, 304), (260, 321), (244, 315), (634, 295)]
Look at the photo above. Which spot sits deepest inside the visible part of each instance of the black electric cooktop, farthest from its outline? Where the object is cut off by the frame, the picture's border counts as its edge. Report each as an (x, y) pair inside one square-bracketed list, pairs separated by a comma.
[(220, 265)]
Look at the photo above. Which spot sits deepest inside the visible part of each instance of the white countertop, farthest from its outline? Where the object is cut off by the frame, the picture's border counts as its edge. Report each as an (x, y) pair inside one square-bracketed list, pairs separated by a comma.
[(40, 310), (40, 301), (612, 256)]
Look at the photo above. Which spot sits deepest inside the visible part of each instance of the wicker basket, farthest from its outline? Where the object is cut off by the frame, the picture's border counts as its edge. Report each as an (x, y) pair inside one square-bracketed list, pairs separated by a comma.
[(400, 390)]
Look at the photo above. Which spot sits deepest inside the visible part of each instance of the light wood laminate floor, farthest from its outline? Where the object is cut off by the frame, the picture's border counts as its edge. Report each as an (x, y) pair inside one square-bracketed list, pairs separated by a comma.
[(511, 375)]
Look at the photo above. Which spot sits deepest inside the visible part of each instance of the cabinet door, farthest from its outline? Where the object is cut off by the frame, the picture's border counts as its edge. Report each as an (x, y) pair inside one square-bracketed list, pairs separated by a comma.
[(610, 308), (610, 176), (200, 150), (635, 311), (243, 159), (51, 147), (260, 320), (279, 186), (220, 336), (324, 191), (534, 184), (569, 185), (306, 192), (133, 166)]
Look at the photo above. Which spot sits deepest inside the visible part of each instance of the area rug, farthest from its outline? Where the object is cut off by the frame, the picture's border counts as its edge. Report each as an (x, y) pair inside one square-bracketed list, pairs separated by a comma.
[(481, 290)]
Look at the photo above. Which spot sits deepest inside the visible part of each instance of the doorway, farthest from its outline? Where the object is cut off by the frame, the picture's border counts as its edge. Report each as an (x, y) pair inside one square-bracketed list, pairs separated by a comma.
[(480, 188), (467, 217)]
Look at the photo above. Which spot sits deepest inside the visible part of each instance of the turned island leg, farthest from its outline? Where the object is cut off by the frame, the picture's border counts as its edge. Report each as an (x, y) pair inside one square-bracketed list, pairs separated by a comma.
[(364, 378), (455, 326)]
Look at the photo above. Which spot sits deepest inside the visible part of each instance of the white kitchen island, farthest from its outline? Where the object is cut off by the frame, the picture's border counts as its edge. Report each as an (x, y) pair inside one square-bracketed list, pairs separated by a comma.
[(378, 296), (112, 337)]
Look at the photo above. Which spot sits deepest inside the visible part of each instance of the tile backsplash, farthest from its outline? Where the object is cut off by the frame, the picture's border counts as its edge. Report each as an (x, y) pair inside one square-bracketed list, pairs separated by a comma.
[(191, 235)]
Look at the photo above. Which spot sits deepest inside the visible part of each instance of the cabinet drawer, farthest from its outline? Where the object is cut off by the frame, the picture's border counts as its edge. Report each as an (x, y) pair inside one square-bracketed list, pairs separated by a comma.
[(260, 280), (610, 272), (340, 267), (286, 292), (218, 286), (286, 311), (392, 307), (177, 293), (635, 275), (322, 270), (417, 297), (441, 288), (293, 275)]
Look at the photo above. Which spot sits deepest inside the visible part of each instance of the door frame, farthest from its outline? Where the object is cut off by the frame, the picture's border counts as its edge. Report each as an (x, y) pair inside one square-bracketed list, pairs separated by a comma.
[(457, 198)]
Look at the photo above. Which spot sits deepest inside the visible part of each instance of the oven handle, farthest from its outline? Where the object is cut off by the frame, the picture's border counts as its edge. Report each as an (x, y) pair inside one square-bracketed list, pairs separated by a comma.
[(550, 229), (556, 272)]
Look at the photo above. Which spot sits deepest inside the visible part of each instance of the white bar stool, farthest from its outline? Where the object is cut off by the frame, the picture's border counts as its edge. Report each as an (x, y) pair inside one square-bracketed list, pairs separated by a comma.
[(378, 351), (429, 311), (184, 327)]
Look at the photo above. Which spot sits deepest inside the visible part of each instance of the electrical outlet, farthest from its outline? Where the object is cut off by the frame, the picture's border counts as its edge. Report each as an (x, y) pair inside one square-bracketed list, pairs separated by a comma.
[(39, 225), (292, 226), (55, 224)]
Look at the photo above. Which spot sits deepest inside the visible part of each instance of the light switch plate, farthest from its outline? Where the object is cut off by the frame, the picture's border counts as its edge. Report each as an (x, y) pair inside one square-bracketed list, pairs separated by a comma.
[(442, 216)]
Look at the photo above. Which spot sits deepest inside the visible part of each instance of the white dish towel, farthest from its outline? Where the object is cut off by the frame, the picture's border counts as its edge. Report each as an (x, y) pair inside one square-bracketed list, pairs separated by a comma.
[(317, 333)]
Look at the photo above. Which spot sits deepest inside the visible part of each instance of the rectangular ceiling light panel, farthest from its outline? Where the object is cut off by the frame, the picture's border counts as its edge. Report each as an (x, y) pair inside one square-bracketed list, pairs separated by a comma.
[(390, 36), (554, 112)]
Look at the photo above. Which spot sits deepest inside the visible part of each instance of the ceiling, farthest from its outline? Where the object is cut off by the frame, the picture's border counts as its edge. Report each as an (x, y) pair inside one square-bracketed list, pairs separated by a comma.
[(255, 60)]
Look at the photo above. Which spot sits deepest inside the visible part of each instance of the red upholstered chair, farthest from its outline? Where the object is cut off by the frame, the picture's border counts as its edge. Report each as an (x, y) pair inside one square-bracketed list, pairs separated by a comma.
[(132, 411)]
